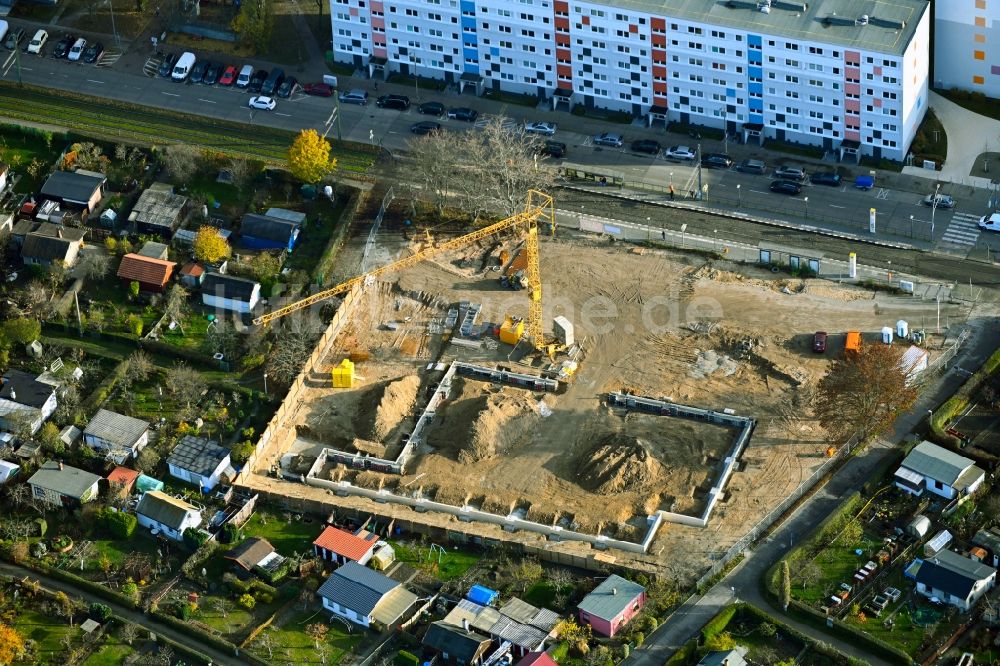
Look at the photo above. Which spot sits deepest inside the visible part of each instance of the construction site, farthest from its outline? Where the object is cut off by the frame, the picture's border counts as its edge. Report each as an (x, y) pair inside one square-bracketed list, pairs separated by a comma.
[(663, 409)]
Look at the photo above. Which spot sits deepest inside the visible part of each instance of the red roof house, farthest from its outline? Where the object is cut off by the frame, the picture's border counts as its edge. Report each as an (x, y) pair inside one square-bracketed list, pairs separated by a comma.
[(536, 659), (151, 274), (122, 480), (340, 546), (192, 274)]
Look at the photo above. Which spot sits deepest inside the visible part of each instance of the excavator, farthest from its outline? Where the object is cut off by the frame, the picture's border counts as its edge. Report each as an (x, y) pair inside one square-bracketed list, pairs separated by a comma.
[(539, 206)]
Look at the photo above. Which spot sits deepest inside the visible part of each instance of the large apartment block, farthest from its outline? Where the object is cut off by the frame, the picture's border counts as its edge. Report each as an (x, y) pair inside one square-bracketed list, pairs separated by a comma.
[(847, 75), (967, 45)]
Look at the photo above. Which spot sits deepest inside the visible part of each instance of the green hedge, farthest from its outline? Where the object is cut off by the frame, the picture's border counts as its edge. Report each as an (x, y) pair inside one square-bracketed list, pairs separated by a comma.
[(82, 583), (404, 658), (867, 642), (960, 400), (718, 624), (203, 636)]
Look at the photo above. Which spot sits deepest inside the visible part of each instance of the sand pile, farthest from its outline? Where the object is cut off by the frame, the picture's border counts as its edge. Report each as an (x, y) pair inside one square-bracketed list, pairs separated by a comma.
[(396, 404), (710, 362), (366, 446), (497, 429), (619, 463)]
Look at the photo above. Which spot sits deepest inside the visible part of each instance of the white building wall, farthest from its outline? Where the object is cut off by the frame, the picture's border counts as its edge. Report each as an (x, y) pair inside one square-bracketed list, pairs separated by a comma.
[(346, 613)]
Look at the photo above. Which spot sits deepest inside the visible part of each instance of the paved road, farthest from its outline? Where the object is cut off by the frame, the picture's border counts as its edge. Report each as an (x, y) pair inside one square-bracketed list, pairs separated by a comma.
[(128, 614), (689, 619), (896, 198)]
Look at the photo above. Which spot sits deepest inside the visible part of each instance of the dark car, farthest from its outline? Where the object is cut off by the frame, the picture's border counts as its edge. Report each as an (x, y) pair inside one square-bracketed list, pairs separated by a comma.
[(212, 74), (463, 113), (553, 149), (62, 47), (789, 187), (397, 102), (198, 71), (287, 87), (752, 166), (93, 52), (647, 146), (831, 178), (14, 38), (273, 81), (317, 89), (425, 127), (257, 80), (167, 65), (431, 109), (819, 342), (716, 161)]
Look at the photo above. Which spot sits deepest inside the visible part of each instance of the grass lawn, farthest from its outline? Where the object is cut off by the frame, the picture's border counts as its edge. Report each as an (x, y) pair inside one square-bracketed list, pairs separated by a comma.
[(18, 150), (838, 563), (452, 565), (324, 218), (117, 550), (111, 653), (543, 594), (981, 104), (287, 538), (205, 186), (47, 633), (237, 618), (930, 142), (193, 335), (293, 646)]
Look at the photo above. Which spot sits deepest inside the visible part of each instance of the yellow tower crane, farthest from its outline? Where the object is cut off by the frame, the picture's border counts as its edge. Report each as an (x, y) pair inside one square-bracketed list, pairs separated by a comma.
[(538, 206)]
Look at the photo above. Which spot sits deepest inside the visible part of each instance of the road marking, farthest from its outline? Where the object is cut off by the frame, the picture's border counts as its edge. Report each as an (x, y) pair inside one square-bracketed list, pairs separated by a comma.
[(95, 81), (836, 206), (171, 94), (963, 229), (759, 191), (287, 115), (206, 101)]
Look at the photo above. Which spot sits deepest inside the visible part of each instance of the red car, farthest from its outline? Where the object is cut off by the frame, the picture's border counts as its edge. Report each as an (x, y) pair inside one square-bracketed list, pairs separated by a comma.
[(228, 76), (317, 89), (819, 342)]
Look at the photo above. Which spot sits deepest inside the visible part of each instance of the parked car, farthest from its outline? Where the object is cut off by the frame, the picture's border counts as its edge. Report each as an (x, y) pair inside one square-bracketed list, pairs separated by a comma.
[(273, 81), (198, 71), (939, 201), (647, 146), (555, 149), (819, 342), (244, 76), (228, 76), (76, 51), (752, 166), (543, 128), (463, 113), (318, 89), (831, 178), (395, 102), (263, 103), (288, 87), (257, 80), (716, 161), (355, 96), (864, 182), (431, 109), (790, 173), (167, 65), (425, 127), (62, 47), (990, 222), (93, 52), (679, 153), (212, 73), (609, 139), (14, 38), (37, 42), (786, 187)]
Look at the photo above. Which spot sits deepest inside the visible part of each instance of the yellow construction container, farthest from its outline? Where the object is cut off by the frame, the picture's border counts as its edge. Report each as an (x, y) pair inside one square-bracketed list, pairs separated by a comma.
[(343, 374), (511, 330)]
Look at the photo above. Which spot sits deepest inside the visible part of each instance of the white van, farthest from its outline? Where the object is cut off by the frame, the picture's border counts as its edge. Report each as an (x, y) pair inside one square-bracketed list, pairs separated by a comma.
[(38, 41), (243, 80), (4, 27), (183, 66)]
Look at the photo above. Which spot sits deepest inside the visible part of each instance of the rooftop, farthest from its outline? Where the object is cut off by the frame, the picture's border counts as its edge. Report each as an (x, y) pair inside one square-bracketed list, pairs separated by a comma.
[(63, 479), (74, 186), (356, 587), (158, 207), (123, 476), (611, 597), (936, 462), (145, 269), (198, 455), (48, 248), (228, 286), (266, 227), (116, 428), (460, 645), (25, 389), (953, 573), (250, 552), (164, 509), (348, 545)]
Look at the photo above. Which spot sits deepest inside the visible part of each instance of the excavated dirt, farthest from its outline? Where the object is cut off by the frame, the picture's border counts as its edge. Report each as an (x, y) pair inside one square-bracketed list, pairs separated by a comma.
[(396, 404), (657, 324)]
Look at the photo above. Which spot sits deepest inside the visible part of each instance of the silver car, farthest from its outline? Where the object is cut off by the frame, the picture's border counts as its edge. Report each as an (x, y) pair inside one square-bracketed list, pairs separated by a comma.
[(939, 201), (543, 128), (609, 139)]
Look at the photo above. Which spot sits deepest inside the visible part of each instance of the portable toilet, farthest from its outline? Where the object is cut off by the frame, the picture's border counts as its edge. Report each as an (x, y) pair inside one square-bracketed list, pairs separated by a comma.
[(902, 329), (343, 374), (887, 335)]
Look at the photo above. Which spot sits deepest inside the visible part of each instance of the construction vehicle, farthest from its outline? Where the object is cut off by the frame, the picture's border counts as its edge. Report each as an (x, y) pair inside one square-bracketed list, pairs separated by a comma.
[(538, 206)]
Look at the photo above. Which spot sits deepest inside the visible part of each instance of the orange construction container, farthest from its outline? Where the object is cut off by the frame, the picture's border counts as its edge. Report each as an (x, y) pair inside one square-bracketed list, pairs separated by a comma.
[(853, 343)]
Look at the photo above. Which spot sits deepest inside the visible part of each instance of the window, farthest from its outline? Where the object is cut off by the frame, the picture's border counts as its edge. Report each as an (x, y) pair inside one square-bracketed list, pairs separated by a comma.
[(979, 55), (978, 80)]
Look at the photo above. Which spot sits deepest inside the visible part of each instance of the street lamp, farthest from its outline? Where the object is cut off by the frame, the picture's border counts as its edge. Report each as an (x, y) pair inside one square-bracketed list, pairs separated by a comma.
[(683, 229), (934, 205), (265, 383), (671, 179), (715, 239), (649, 230), (111, 6), (739, 196), (806, 201), (725, 132)]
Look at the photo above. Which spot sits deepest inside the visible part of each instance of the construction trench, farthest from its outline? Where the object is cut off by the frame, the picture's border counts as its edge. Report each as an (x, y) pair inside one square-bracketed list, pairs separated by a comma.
[(686, 421)]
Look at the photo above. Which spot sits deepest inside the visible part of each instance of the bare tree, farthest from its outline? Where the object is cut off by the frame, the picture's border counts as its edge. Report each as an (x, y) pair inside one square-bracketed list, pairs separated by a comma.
[(185, 383), (223, 338), (864, 392), (19, 495), (434, 166), (140, 366), (166, 655), (244, 172), (129, 632), (292, 345), (182, 162), (148, 460), (94, 265), (175, 306), (317, 631), (810, 573), (221, 604), (266, 641)]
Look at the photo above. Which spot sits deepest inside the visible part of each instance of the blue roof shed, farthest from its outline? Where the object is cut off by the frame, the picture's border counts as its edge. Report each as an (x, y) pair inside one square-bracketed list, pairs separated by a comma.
[(483, 596)]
